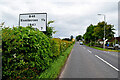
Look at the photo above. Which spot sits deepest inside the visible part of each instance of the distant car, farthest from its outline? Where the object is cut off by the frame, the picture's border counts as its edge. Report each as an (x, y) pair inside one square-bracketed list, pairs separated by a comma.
[(81, 43), (116, 46)]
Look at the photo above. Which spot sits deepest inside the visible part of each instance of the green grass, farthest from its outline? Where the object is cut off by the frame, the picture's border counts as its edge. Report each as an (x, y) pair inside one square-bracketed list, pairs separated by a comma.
[(103, 49), (53, 71), (0, 49)]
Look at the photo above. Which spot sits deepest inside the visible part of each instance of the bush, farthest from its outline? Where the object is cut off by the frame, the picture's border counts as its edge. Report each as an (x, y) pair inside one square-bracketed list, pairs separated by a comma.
[(55, 48), (89, 44), (92, 43), (111, 44), (62, 45), (25, 52)]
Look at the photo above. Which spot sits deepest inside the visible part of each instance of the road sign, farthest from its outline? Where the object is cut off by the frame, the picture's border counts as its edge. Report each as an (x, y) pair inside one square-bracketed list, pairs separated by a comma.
[(36, 20), (107, 45)]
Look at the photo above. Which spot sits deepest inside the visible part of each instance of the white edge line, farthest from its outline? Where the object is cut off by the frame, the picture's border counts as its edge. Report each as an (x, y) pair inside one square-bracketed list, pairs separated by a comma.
[(107, 63)]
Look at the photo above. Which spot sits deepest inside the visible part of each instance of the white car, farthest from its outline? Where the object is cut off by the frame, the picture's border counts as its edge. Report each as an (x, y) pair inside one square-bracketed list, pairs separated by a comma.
[(116, 46), (81, 43)]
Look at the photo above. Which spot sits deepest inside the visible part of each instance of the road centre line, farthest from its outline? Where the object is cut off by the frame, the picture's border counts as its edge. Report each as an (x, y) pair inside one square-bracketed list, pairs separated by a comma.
[(84, 47), (107, 63), (89, 51)]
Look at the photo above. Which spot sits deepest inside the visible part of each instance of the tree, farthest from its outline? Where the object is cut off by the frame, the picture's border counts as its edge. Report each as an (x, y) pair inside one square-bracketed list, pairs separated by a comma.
[(71, 37), (50, 30), (88, 35), (49, 22), (1, 25), (99, 31), (79, 37), (67, 39), (95, 32)]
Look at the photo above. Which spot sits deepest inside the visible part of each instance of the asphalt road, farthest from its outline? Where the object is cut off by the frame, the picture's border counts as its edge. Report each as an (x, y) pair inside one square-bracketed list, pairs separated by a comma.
[(86, 62)]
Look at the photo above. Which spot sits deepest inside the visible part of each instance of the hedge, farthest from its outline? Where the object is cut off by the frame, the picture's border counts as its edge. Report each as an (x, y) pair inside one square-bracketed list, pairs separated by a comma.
[(27, 52), (60, 45), (55, 48)]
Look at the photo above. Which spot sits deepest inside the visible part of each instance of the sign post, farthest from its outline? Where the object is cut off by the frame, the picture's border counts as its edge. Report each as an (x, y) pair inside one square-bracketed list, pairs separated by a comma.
[(36, 20)]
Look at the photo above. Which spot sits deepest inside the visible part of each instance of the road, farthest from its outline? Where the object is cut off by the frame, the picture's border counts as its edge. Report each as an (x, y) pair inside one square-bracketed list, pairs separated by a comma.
[(86, 62)]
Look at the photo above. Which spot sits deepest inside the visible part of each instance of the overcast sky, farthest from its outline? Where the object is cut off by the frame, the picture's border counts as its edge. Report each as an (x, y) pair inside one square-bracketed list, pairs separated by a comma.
[(72, 17)]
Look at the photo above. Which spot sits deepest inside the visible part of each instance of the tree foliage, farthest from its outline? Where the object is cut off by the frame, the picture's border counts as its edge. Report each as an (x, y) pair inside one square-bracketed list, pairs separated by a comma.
[(95, 32), (79, 37), (1, 25), (50, 30), (67, 39), (99, 31), (88, 35), (71, 37)]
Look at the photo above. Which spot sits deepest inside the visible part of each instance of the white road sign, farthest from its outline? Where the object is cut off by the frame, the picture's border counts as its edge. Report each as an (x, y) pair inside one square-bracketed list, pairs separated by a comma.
[(36, 20)]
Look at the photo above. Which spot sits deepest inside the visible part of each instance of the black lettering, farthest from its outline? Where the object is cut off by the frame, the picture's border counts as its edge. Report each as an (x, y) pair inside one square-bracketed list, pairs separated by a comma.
[(29, 16), (41, 28), (42, 19), (21, 20), (29, 20), (31, 24)]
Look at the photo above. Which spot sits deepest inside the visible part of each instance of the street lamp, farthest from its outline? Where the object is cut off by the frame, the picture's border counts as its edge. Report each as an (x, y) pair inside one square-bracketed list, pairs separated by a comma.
[(104, 30)]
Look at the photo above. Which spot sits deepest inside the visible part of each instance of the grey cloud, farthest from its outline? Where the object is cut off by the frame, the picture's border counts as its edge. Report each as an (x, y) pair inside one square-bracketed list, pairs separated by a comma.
[(63, 3), (9, 19), (69, 16)]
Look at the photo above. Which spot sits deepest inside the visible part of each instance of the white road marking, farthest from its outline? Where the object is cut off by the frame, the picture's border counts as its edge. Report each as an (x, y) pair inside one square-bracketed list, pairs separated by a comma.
[(107, 63), (84, 47), (89, 51)]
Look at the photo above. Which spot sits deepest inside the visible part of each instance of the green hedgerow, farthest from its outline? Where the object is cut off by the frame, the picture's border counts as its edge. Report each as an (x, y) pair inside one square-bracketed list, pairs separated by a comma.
[(25, 52)]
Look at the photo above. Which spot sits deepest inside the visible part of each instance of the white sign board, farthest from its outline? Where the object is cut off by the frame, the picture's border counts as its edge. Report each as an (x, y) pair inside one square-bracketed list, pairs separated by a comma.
[(36, 20), (101, 42)]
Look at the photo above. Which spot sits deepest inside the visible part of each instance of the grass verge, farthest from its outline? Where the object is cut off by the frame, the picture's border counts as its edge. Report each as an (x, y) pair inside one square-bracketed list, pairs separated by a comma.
[(103, 49), (53, 71), (0, 49)]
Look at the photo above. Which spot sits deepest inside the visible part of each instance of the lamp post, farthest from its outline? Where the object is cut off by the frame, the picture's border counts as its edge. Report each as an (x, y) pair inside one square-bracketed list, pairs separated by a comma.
[(104, 30)]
